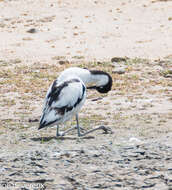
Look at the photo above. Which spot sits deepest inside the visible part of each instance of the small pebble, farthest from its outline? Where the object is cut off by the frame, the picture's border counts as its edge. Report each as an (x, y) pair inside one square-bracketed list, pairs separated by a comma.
[(118, 59), (119, 70), (32, 30), (133, 139), (168, 76), (62, 62)]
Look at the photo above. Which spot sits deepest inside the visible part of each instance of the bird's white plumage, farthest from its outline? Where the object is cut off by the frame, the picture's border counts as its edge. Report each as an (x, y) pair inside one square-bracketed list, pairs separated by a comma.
[(63, 100), (85, 75), (69, 95)]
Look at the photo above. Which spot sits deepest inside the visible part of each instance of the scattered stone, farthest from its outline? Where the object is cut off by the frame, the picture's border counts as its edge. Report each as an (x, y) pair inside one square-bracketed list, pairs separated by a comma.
[(168, 76), (103, 167), (62, 62), (119, 70), (170, 71), (141, 152), (107, 130), (82, 151), (37, 180), (96, 99), (72, 181), (32, 30), (134, 139), (58, 58), (96, 171), (38, 172), (167, 73), (36, 164), (1, 160), (148, 185), (94, 154), (18, 173), (118, 185), (119, 59), (33, 120)]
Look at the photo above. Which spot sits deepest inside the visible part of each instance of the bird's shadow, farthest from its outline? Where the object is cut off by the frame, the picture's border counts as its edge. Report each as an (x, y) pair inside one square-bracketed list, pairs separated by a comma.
[(46, 139)]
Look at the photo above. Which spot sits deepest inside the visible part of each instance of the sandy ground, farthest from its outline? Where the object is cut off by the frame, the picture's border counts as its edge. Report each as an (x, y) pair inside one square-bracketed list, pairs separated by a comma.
[(138, 154), (93, 29)]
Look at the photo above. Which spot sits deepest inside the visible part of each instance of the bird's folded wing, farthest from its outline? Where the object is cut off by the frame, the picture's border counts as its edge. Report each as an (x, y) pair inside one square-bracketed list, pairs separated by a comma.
[(65, 95)]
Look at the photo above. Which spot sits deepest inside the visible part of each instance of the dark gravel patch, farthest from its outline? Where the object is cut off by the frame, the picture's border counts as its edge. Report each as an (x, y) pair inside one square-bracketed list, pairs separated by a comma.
[(143, 166)]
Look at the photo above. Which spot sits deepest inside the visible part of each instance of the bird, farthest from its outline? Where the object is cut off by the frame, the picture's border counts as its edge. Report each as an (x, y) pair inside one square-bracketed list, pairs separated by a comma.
[(67, 94)]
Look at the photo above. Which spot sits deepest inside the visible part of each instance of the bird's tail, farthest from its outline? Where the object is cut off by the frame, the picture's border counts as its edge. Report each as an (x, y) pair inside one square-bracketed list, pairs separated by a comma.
[(42, 122)]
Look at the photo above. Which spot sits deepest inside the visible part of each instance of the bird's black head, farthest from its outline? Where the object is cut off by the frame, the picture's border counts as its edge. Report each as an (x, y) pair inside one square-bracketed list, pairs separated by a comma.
[(102, 88)]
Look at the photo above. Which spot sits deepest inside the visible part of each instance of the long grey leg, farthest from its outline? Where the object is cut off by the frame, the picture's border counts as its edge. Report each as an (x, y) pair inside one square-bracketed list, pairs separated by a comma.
[(78, 127), (68, 130), (57, 132), (72, 128), (98, 128), (105, 129)]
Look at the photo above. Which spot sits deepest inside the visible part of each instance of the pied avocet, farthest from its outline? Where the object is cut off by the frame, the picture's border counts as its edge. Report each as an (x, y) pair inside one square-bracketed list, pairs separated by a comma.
[(67, 94)]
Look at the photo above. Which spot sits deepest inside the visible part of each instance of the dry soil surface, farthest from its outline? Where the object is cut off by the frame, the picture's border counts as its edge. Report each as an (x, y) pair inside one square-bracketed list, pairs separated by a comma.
[(39, 39)]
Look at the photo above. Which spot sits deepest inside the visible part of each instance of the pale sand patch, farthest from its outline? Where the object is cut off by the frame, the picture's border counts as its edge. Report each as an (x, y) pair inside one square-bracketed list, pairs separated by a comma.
[(93, 29)]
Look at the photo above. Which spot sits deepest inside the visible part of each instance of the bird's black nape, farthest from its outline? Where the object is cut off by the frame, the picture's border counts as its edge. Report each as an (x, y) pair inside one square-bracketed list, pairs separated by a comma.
[(104, 88)]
